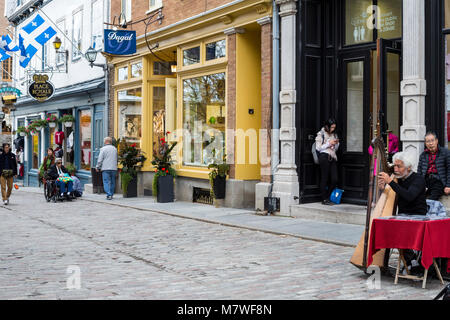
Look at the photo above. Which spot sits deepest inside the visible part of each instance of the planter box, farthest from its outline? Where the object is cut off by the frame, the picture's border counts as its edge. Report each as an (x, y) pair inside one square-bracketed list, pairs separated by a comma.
[(22, 134), (219, 184), (132, 189), (67, 124), (52, 124), (165, 189)]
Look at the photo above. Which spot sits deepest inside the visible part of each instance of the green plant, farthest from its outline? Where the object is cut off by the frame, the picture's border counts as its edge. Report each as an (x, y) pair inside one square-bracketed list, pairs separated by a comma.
[(131, 160), (39, 123), (21, 129), (71, 168), (220, 169), (66, 118), (162, 160), (51, 118)]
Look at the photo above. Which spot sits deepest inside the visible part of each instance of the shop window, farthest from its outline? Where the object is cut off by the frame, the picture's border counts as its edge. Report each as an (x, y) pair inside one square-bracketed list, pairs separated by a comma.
[(154, 4), (191, 56), (356, 17), (159, 115), (136, 70), (122, 74), (215, 50), (35, 151), (7, 69), (390, 19), (85, 119), (60, 57), (97, 24), (126, 11), (129, 114), (161, 68), (355, 94), (203, 119)]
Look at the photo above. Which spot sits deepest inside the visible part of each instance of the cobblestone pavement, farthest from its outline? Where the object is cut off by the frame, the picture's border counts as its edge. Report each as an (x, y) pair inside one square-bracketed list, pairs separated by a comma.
[(132, 254)]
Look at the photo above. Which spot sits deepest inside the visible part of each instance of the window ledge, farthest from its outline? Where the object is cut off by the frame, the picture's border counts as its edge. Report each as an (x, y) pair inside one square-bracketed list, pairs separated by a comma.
[(153, 9)]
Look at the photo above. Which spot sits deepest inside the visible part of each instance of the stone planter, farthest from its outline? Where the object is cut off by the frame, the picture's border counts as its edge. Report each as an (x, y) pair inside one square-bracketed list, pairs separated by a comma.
[(219, 187), (22, 134), (132, 189), (165, 189), (68, 124), (52, 124)]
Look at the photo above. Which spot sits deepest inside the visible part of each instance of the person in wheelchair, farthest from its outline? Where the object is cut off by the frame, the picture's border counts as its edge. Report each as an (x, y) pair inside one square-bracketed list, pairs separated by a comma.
[(62, 179)]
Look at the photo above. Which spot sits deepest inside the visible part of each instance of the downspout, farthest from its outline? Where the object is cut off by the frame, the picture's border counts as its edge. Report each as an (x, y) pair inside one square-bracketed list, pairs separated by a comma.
[(106, 108), (275, 150)]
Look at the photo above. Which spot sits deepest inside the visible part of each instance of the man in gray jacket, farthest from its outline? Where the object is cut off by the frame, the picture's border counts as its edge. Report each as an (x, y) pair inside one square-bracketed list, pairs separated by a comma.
[(107, 163)]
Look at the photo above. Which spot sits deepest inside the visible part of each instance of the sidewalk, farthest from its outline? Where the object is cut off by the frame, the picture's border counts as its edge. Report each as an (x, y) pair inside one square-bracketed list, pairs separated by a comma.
[(334, 233)]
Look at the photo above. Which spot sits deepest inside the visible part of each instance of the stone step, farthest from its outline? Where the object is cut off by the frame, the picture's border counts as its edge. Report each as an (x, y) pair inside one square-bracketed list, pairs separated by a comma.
[(342, 213)]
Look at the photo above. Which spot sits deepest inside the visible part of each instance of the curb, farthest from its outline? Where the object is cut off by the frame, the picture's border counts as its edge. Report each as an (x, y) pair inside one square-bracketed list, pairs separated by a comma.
[(333, 242)]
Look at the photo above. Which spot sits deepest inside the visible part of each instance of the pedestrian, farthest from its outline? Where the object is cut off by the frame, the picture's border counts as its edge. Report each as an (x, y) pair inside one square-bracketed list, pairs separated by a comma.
[(107, 164), (77, 187), (59, 173), (327, 143), (8, 170), (49, 160), (434, 165), (19, 159)]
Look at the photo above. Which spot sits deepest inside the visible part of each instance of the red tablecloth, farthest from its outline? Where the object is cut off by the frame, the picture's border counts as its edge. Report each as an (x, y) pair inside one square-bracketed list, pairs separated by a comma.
[(431, 237)]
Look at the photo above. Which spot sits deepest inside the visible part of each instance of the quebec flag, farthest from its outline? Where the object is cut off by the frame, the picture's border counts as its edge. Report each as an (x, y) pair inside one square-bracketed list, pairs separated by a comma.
[(5, 50), (38, 32)]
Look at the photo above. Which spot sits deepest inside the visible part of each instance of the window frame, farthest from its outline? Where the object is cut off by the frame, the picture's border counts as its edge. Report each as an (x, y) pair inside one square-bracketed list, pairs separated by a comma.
[(157, 6), (203, 62), (100, 34), (79, 51)]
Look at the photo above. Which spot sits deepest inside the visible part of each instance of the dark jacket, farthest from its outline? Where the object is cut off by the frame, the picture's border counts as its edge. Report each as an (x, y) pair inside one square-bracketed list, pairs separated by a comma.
[(442, 165), (53, 172), (411, 195), (11, 160)]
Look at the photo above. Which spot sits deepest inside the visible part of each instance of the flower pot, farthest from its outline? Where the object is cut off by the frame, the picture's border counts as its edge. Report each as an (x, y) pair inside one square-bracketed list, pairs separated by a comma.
[(132, 189), (219, 189), (22, 134), (52, 124), (68, 124), (165, 189), (38, 128)]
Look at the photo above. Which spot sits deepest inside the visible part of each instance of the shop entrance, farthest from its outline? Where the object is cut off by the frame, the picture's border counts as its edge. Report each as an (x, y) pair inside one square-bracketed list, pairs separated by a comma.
[(349, 69), (369, 93)]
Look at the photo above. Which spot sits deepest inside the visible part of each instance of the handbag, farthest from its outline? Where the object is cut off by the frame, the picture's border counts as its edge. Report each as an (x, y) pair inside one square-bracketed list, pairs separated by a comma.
[(7, 173)]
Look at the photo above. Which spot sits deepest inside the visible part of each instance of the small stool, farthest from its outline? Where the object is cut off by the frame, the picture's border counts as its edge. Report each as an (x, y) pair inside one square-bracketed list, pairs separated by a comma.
[(409, 276)]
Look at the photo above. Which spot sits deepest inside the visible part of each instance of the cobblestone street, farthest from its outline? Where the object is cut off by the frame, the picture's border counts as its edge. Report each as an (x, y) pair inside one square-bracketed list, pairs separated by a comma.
[(133, 254)]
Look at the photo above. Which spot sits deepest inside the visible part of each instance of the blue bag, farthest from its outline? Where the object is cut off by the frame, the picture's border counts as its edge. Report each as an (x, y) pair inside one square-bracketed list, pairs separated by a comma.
[(336, 196)]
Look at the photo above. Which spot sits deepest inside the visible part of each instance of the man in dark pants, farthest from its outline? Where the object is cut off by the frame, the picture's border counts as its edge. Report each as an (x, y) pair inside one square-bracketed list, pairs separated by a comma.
[(434, 165)]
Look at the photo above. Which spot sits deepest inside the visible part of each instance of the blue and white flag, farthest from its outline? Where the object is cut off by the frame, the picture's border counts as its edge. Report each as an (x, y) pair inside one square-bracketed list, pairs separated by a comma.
[(34, 24), (38, 33), (45, 36), (25, 53), (4, 45), (3, 55)]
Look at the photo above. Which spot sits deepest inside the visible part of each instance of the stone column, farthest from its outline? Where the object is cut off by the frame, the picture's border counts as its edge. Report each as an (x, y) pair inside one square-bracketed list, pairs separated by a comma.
[(413, 85), (286, 185)]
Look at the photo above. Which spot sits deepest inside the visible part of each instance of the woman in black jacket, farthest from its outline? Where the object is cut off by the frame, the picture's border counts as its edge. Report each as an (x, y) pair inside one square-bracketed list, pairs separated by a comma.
[(8, 170)]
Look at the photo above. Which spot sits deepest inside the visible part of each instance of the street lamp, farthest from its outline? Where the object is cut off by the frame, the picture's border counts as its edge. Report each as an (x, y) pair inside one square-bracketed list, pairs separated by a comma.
[(91, 56), (57, 45)]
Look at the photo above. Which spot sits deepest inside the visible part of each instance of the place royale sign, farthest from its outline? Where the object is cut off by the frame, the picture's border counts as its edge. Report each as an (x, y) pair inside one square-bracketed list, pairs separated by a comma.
[(120, 42), (41, 89)]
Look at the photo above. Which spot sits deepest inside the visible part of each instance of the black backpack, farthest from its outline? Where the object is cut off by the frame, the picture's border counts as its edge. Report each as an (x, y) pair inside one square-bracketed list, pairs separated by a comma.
[(445, 293)]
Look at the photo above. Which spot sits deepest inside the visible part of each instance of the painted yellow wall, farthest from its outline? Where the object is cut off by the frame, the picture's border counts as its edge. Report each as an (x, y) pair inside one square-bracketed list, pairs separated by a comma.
[(248, 96)]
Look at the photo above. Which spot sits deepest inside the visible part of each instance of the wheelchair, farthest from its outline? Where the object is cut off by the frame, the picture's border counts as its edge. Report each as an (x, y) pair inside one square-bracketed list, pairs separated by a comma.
[(51, 190)]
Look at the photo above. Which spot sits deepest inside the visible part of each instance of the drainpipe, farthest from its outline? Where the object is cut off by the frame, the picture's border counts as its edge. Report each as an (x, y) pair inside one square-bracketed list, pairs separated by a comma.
[(275, 152), (106, 108)]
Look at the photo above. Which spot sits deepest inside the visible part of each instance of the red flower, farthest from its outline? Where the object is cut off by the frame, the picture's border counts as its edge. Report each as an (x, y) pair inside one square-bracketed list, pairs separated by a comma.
[(168, 132), (133, 145), (163, 169), (167, 171)]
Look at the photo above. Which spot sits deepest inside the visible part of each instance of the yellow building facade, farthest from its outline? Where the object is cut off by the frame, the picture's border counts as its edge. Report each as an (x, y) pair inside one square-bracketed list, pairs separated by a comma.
[(200, 79)]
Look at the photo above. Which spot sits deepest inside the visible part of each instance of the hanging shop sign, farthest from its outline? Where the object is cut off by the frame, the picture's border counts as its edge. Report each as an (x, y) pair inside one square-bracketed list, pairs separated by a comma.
[(120, 42), (10, 91), (41, 89)]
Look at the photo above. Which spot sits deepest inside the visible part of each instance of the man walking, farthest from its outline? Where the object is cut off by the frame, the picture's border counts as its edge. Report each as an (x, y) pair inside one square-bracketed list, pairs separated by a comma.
[(434, 165), (8, 170), (107, 164)]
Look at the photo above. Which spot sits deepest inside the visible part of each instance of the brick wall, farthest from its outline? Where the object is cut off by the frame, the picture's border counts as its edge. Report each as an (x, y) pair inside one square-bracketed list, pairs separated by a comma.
[(173, 11), (266, 91)]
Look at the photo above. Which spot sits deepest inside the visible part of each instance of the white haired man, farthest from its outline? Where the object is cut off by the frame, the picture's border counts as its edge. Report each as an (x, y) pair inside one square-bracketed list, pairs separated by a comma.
[(410, 187), (107, 163)]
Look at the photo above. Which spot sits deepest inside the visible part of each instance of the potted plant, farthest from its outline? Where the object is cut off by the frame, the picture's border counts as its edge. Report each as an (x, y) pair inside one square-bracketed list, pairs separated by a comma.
[(52, 120), (71, 167), (131, 160), (22, 131), (217, 178), (162, 185), (39, 124), (67, 120)]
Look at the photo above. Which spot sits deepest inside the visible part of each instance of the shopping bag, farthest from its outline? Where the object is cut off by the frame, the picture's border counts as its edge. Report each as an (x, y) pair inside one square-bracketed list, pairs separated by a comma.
[(336, 195)]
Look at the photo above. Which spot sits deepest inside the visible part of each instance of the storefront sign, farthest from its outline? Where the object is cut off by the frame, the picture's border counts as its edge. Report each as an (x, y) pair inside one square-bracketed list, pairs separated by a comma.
[(10, 90), (120, 42), (41, 89)]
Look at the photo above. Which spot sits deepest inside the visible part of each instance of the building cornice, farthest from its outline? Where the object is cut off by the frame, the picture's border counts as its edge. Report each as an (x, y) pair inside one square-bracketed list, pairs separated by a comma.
[(24, 12)]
